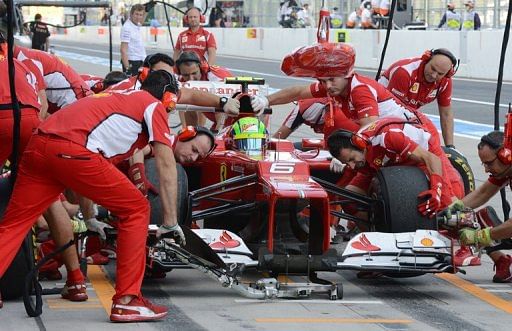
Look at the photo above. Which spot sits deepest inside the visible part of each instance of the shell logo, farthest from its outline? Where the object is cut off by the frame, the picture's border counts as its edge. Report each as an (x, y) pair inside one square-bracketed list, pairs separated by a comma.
[(427, 242)]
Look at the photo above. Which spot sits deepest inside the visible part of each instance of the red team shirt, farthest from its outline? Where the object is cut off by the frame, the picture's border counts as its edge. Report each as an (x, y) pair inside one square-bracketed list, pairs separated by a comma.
[(406, 80), (26, 86), (63, 85), (310, 112), (90, 122), (197, 42), (365, 98)]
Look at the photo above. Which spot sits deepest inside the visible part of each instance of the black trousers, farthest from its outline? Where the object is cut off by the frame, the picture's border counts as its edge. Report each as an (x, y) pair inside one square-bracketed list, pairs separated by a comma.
[(134, 67)]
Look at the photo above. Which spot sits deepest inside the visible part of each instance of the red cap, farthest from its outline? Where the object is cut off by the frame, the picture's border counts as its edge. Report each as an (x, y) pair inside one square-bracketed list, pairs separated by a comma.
[(320, 61)]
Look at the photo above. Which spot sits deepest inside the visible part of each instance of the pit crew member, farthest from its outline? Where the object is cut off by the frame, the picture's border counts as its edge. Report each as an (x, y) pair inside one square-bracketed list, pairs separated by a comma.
[(81, 146), (421, 80)]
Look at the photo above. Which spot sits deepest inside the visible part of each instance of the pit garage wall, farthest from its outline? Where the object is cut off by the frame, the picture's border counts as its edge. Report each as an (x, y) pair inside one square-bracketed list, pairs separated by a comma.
[(479, 51)]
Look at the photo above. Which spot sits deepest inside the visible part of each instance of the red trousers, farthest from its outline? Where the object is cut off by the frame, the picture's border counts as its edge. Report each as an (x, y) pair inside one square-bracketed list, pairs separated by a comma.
[(51, 164), (29, 121)]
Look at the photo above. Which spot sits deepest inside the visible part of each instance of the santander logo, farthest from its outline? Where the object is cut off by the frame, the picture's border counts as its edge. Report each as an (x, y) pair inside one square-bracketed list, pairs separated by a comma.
[(225, 241), (363, 244)]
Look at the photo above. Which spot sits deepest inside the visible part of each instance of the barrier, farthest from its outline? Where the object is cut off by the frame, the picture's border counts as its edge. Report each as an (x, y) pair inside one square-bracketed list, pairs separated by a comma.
[(478, 50)]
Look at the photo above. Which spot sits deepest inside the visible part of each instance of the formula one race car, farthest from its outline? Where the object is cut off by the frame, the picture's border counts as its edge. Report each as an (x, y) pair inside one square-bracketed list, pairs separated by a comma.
[(263, 203)]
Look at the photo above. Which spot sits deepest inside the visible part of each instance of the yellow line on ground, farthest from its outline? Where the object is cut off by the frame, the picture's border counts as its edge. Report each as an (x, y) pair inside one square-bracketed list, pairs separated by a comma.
[(478, 292), (78, 306), (284, 279), (334, 320), (102, 286)]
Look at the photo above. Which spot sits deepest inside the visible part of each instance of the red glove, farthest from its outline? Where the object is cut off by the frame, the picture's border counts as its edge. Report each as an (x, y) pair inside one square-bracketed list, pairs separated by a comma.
[(432, 196), (137, 175)]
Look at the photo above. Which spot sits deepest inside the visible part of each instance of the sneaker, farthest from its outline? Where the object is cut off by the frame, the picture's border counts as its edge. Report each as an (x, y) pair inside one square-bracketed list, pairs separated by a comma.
[(74, 291), (464, 257), (137, 310), (53, 274), (502, 268), (97, 259)]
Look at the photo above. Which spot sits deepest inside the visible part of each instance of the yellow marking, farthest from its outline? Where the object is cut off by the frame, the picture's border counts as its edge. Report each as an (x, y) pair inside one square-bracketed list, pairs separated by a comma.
[(334, 320), (77, 306), (102, 286), (284, 279), (478, 292)]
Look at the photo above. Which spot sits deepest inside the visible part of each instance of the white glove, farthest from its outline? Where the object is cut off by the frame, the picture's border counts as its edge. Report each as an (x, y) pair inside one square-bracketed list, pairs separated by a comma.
[(336, 166), (232, 107), (178, 235), (259, 103), (96, 226)]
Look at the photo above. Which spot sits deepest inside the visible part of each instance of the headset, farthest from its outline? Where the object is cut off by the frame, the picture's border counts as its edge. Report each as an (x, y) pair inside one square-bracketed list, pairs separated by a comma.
[(356, 139), (503, 153), (169, 98), (427, 56), (189, 132), (202, 18)]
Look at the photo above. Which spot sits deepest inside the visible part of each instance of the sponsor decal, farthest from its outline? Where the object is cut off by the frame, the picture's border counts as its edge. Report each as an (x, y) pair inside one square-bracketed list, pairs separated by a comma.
[(363, 244), (184, 39), (432, 94), (415, 87), (223, 172), (377, 162), (427, 242)]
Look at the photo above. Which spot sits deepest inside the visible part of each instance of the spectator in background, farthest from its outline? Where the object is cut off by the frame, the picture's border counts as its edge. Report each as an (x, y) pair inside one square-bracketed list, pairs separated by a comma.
[(217, 18), (354, 19), (366, 17), (384, 6), (132, 45), (40, 34), (451, 18), (306, 16), (471, 19), (336, 19), (196, 39)]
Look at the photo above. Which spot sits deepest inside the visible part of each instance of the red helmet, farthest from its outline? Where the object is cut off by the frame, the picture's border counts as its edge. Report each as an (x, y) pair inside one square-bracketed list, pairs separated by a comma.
[(320, 60)]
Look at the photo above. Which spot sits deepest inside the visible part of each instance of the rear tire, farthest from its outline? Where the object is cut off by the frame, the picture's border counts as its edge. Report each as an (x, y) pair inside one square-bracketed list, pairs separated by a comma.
[(13, 281), (398, 187), (154, 199)]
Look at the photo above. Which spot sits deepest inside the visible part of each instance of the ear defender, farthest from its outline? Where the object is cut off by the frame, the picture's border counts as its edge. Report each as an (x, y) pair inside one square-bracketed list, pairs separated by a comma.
[(202, 18), (357, 140), (187, 133)]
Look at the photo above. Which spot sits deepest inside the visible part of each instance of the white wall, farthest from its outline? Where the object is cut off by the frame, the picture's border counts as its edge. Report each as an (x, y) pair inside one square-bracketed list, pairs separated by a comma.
[(479, 51)]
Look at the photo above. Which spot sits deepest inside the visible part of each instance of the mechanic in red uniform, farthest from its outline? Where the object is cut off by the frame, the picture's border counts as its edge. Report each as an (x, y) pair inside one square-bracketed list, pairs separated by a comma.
[(497, 161), (307, 111), (196, 39), (190, 68), (56, 215), (392, 141), (78, 149), (63, 84), (421, 80), (159, 61)]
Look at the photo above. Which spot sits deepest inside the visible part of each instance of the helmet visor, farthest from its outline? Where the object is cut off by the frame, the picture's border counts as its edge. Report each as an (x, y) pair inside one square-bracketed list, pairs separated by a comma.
[(250, 144)]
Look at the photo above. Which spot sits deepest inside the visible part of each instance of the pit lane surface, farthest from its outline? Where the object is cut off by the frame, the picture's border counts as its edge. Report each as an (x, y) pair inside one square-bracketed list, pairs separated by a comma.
[(445, 302)]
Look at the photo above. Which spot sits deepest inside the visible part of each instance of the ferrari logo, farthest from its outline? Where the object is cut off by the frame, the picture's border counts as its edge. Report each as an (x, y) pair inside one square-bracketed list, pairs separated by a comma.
[(415, 87), (223, 172)]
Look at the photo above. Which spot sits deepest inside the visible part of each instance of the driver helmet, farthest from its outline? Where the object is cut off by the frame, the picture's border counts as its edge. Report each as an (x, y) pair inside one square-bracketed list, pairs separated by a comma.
[(249, 136)]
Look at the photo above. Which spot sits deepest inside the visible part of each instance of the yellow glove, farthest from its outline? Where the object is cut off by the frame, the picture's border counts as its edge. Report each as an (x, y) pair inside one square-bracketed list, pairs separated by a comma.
[(475, 237)]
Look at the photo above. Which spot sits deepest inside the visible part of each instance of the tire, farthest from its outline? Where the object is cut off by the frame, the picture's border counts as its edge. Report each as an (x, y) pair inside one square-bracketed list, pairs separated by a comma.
[(398, 187), (13, 281), (154, 199), (460, 163)]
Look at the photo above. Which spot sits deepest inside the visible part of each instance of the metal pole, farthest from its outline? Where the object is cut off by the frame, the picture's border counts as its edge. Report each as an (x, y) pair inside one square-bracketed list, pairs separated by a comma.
[(110, 36)]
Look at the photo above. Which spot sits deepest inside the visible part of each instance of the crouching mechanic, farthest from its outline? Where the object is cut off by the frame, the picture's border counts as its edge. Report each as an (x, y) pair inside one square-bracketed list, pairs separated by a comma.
[(390, 142), (497, 161), (190, 68), (421, 80), (78, 149)]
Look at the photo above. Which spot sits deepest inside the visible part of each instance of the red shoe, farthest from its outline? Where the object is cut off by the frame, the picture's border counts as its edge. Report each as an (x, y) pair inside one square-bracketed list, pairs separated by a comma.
[(464, 257), (97, 259), (137, 310), (502, 268), (74, 291), (53, 274)]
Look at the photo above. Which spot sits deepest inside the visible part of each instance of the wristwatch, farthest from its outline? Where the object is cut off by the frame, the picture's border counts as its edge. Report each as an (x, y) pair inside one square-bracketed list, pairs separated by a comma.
[(222, 102)]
